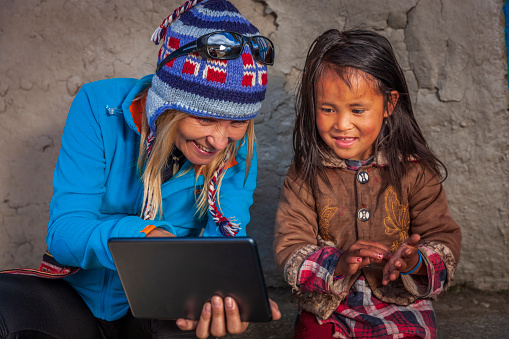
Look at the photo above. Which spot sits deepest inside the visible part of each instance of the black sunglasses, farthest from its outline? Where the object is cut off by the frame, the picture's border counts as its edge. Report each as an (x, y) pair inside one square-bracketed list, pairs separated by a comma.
[(226, 46)]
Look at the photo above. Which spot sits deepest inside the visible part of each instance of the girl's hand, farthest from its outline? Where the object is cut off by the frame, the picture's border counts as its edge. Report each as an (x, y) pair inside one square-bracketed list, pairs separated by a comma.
[(219, 318), (404, 259), (361, 254)]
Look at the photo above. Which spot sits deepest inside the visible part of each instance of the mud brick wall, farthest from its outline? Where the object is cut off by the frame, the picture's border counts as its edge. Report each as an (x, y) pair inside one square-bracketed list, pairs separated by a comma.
[(452, 52)]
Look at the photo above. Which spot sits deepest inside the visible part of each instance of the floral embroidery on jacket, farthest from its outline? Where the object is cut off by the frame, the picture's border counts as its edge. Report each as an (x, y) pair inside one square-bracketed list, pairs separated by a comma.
[(398, 218), (325, 214)]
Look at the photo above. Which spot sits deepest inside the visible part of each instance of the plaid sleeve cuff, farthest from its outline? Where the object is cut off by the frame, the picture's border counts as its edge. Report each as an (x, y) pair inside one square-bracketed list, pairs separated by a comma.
[(317, 271), (437, 273), (437, 278)]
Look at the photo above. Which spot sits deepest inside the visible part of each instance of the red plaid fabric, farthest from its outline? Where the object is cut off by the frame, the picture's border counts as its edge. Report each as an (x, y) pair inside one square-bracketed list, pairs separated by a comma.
[(317, 269), (361, 314)]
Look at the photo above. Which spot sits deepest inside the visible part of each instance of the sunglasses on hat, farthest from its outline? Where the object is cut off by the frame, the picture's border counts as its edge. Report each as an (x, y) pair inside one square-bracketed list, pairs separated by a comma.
[(225, 46)]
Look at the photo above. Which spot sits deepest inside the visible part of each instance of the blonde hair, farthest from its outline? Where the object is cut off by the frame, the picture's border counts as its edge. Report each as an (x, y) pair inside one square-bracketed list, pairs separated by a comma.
[(167, 125)]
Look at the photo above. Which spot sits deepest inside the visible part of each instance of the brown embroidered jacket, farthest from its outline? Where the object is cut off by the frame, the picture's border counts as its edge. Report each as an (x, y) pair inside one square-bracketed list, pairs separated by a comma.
[(353, 209)]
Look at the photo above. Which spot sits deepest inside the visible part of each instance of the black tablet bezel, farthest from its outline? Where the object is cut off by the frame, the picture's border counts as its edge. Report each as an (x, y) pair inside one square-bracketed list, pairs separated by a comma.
[(208, 266)]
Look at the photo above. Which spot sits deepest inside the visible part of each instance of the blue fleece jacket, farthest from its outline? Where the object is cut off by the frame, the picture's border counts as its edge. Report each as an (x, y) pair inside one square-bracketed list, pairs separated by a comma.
[(97, 193)]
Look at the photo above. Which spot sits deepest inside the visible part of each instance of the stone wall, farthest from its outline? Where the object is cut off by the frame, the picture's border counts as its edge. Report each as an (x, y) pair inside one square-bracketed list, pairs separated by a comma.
[(452, 52)]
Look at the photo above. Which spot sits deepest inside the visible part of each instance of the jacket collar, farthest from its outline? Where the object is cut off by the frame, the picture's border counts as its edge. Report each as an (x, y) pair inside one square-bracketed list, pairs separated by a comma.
[(333, 161), (133, 109)]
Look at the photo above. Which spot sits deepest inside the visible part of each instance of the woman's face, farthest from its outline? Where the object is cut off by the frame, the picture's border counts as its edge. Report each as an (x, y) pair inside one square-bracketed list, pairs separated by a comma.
[(201, 139)]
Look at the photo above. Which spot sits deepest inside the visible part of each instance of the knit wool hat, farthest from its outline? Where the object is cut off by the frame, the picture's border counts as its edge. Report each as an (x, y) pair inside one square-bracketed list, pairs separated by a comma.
[(224, 89)]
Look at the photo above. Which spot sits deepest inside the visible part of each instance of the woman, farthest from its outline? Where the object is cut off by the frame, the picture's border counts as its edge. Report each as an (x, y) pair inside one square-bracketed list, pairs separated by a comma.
[(189, 129)]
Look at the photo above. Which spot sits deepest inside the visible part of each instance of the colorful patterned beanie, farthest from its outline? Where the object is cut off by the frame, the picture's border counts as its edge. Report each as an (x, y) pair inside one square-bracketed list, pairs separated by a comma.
[(224, 89)]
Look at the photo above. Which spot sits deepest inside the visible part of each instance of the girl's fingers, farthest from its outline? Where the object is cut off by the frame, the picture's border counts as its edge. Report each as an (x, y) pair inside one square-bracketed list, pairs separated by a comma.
[(391, 270), (374, 245), (361, 254), (413, 240), (353, 262), (399, 261), (408, 253), (389, 275), (374, 254)]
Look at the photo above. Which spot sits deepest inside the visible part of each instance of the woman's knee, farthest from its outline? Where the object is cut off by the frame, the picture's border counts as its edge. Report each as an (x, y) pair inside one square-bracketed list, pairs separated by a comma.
[(51, 308)]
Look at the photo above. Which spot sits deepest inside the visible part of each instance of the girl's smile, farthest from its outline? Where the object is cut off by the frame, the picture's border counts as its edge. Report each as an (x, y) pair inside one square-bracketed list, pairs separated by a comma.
[(201, 139), (349, 117), (345, 141)]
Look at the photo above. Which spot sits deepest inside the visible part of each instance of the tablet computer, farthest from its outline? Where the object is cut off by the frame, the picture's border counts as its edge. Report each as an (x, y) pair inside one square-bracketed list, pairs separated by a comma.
[(170, 278)]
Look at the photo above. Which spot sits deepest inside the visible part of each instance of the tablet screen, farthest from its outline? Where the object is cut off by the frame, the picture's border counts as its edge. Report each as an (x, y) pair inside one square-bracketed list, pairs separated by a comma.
[(170, 278)]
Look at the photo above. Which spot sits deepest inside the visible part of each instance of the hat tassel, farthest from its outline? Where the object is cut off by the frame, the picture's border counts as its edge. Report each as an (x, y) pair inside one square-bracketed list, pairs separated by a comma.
[(160, 31)]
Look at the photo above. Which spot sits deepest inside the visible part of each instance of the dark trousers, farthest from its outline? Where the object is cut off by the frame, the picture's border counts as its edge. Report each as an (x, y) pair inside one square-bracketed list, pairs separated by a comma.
[(32, 307)]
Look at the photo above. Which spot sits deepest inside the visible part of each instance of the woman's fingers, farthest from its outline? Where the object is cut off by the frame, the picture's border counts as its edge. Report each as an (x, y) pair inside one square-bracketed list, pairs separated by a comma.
[(274, 308), (203, 328), (233, 322), (220, 317), (218, 323), (186, 324), (159, 232)]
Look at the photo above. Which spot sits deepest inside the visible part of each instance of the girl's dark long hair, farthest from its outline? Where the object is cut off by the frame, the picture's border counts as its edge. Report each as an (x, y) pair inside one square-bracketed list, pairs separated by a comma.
[(400, 138)]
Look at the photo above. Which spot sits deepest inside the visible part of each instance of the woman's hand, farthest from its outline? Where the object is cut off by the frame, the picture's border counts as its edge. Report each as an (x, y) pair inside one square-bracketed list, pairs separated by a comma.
[(219, 318), (361, 254), (159, 232), (404, 260)]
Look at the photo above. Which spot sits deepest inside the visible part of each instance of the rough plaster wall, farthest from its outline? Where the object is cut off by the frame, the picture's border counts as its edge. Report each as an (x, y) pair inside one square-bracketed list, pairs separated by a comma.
[(452, 52)]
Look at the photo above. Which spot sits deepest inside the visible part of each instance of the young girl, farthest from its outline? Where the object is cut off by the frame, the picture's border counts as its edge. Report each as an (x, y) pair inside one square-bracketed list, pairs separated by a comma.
[(363, 231), (189, 128)]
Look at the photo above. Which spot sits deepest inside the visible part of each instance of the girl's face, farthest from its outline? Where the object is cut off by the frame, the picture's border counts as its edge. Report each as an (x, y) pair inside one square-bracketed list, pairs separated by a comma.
[(201, 139), (349, 119)]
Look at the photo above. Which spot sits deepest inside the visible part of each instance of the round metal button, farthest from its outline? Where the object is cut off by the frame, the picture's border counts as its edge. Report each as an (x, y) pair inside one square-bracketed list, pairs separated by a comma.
[(363, 214), (362, 177)]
